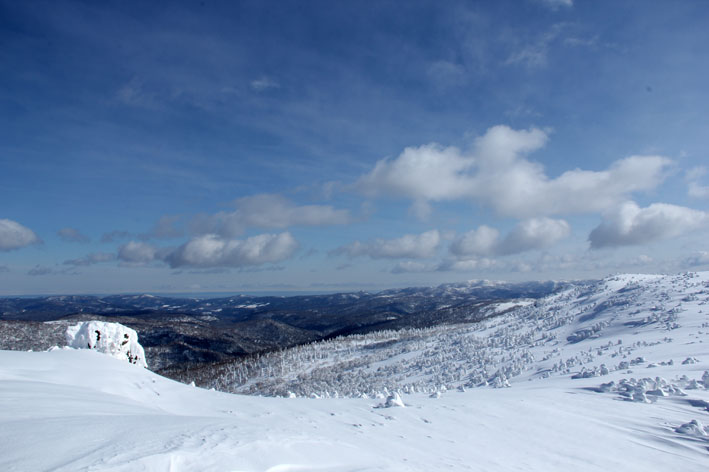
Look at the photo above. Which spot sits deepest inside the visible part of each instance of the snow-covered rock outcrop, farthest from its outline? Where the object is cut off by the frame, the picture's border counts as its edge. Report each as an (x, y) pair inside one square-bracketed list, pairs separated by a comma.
[(113, 339)]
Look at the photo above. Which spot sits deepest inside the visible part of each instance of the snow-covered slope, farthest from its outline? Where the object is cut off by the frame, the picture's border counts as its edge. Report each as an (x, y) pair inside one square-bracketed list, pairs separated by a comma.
[(70, 410), (622, 323), (81, 410)]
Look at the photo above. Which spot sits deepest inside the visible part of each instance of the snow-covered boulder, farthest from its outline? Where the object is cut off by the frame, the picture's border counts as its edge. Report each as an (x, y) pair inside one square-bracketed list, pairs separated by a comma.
[(394, 400), (113, 339), (693, 428)]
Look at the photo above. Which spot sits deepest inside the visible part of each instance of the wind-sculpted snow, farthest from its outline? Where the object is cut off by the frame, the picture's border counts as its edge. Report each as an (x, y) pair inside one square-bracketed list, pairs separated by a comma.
[(113, 339), (590, 330)]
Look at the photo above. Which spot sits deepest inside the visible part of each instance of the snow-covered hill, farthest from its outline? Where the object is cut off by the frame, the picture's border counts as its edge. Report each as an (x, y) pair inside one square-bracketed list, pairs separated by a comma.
[(605, 376), (622, 323)]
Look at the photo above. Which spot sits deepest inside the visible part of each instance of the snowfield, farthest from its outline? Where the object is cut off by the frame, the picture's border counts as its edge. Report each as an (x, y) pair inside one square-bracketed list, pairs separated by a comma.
[(602, 376)]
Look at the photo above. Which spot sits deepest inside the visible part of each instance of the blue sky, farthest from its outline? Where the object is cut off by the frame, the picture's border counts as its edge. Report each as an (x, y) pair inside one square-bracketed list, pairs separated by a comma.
[(246, 146)]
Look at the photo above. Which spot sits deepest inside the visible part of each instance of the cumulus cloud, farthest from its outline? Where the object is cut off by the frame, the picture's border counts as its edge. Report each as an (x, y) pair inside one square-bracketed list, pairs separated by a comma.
[(91, 259), (15, 236), (72, 235), (426, 173), (533, 233), (629, 224), (498, 174), (268, 211), (215, 251), (414, 246), (137, 252), (483, 240)]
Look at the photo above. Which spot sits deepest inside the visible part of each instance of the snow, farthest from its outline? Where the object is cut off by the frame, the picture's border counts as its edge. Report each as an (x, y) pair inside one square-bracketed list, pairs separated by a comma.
[(646, 411), (394, 400), (504, 306), (253, 305), (114, 339), (693, 428), (87, 411), (589, 330)]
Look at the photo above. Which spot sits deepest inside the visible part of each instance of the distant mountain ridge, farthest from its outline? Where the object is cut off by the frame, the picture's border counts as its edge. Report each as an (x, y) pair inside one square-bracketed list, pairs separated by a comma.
[(52, 307)]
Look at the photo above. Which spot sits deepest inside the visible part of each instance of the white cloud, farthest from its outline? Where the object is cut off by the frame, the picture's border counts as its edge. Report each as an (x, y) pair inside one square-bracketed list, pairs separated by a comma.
[(534, 53), (72, 235), (137, 252), (588, 42), (425, 173), (533, 233), (264, 83), (695, 189), (556, 4), (414, 246), (421, 209), (15, 236), (629, 224), (497, 174), (214, 251), (93, 258), (268, 211), (698, 191), (481, 241), (695, 173)]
